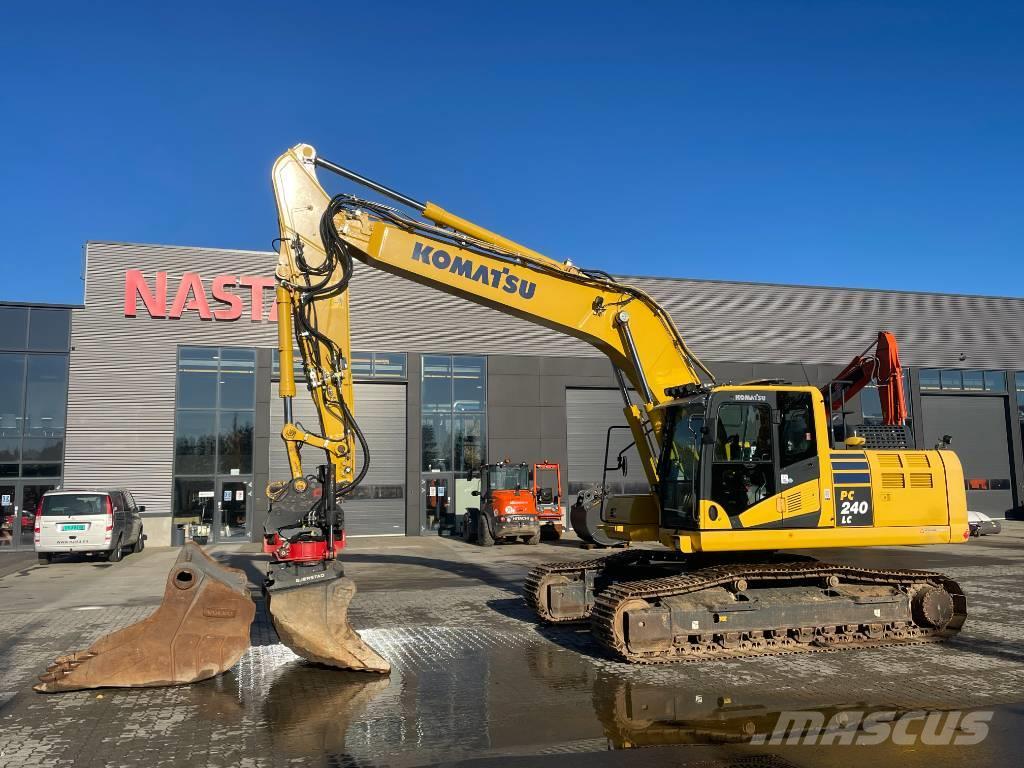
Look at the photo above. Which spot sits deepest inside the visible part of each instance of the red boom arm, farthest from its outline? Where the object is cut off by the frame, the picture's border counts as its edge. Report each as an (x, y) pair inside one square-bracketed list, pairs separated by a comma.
[(882, 367)]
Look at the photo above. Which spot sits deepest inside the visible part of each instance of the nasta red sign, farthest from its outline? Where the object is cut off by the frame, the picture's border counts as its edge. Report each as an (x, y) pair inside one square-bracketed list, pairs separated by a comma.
[(220, 302)]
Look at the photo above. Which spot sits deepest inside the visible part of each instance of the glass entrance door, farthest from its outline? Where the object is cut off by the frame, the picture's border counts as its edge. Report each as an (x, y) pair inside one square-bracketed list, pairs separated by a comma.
[(436, 502), (8, 520), (19, 503), (194, 502), (233, 496), (31, 498)]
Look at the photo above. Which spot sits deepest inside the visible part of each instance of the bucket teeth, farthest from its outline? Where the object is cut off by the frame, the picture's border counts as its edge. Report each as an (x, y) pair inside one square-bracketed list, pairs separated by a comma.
[(200, 630), (313, 621)]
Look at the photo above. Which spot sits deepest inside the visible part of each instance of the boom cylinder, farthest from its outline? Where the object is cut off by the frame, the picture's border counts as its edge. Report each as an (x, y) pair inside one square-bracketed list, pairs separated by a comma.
[(284, 348)]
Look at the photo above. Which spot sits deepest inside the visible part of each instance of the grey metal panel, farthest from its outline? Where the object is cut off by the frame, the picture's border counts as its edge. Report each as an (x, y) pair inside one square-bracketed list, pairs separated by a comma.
[(380, 411), (511, 389), (978, 426), (589, 413)]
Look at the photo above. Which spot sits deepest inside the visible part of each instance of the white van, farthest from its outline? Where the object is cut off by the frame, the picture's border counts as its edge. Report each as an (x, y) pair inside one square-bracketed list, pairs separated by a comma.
[(106, 522)]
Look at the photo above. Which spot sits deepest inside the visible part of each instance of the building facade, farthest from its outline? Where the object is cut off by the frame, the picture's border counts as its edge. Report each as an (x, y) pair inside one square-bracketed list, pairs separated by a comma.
[(34, 343), (173, 378)]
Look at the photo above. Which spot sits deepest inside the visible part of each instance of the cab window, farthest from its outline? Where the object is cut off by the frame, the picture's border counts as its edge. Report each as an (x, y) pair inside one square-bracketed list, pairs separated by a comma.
[(743, 472), (744, 432), (796, 428), (680, 461)]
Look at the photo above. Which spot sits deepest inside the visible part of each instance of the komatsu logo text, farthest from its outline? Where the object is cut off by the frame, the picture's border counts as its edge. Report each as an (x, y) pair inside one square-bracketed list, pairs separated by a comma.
[(501, 279)]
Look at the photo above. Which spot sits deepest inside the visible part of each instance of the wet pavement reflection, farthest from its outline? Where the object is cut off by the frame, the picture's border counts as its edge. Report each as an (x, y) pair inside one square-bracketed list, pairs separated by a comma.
[(476, 681), (461, 693)]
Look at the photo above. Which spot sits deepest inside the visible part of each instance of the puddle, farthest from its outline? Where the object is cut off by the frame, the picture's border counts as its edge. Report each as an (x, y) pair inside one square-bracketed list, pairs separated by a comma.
[(458, 693)]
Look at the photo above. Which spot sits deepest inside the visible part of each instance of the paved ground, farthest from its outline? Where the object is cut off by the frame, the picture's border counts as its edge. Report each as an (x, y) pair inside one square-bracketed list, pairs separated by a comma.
[(477, 682)]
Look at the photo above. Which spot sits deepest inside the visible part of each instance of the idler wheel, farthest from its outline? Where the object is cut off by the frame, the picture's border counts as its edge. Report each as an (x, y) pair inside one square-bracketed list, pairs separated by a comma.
[(932, 607)]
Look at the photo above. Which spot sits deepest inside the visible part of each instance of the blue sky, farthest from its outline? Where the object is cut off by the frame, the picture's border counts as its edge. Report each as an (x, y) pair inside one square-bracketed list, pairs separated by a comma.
[(836, 143)]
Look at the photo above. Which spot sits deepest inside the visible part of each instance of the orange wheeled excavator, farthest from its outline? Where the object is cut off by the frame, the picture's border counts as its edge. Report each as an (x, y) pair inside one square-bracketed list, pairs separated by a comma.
[(735, 473)]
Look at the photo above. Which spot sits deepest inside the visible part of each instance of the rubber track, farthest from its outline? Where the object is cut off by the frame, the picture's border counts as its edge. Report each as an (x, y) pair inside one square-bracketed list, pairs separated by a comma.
[(535, 581), (608, 601)]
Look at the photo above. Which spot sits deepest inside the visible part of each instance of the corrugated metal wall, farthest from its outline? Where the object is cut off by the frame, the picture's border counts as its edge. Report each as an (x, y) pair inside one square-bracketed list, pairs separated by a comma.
[(742, 322)]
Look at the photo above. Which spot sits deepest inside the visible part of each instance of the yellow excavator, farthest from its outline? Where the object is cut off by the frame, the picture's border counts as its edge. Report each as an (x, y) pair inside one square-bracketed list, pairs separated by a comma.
[(736, 474)]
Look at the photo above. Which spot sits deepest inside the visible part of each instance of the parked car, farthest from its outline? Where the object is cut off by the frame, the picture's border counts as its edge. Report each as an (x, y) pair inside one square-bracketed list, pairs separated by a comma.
[(981, 524), (103, 522)]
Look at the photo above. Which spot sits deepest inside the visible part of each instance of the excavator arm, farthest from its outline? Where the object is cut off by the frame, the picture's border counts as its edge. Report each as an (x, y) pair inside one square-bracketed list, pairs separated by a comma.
[(458, 257)]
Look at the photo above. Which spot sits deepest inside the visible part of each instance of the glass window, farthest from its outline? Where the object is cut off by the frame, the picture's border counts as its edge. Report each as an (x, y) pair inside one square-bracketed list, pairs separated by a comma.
[(10, 456), (43, 449), (197, 377), (454, 404), (437, 383), (237, 378), (508, 477), (437, 441), (743, 473), (974, 381), (930, 378), (195, 442), (468, 382), (12, 394), (680, 460), (49, 330), (40, 470), (744, 433), (234, 447), (389, 365), (362, 365), (13, 327), (951, 378), (10, 449), (379, 365), (46, 396), (796, 429), (870, 405), (995, 381), (469, 442)]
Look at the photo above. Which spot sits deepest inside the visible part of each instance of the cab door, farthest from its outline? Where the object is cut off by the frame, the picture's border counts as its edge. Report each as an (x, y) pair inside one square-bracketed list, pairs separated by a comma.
[(741, 462), (761, 460), (799, 472)]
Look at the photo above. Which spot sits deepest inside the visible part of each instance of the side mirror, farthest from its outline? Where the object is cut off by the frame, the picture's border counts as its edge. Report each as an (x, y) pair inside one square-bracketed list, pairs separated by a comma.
[(142, 508), (474, 492), (624, 465)]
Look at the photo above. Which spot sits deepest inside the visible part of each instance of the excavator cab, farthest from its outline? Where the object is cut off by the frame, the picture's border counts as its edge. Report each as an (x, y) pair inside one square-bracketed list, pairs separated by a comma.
[(728, 454)]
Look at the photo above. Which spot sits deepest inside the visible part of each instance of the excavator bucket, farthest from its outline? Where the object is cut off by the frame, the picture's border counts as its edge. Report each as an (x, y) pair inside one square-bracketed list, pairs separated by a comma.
[(312, 620), (200, 630)]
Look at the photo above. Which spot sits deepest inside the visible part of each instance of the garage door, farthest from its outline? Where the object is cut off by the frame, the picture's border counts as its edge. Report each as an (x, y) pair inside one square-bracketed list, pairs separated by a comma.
[(978, 426), (378, 505), (589, 414)]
